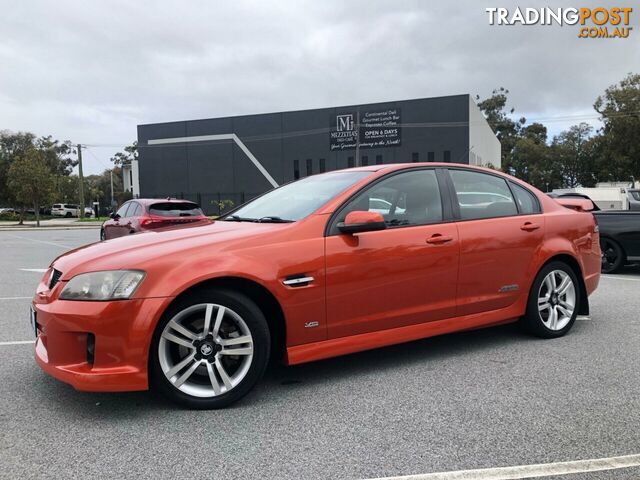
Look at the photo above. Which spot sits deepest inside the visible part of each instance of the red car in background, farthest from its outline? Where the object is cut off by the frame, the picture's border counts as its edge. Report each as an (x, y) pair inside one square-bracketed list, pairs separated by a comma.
[(328, 265), (144, 214)]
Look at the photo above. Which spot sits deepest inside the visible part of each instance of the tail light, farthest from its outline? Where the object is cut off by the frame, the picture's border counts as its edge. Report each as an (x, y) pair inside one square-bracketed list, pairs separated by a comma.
[(158, 222)]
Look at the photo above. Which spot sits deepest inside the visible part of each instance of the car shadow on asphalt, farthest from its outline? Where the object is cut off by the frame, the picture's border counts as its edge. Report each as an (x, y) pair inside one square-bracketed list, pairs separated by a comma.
[(280, 380)]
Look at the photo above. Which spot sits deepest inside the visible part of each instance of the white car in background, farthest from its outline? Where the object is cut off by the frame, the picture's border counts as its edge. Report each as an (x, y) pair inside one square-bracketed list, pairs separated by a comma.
[(65, 210)]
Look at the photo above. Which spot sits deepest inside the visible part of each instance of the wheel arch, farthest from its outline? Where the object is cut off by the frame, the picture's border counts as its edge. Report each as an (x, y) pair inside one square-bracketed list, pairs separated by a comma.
[(263, 298), (572, 262)]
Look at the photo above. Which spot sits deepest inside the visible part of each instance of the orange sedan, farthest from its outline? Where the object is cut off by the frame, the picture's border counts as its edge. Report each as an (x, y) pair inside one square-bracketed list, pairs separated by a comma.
[(328, 265)]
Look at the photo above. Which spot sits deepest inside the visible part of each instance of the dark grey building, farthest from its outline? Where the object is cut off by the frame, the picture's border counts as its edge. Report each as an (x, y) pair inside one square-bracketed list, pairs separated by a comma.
[(222, 160)]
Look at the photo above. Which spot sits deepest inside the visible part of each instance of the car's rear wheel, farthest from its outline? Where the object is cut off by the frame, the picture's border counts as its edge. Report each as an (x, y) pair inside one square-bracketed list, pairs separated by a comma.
[(613, 257), (68, 215), (553, 302), (210, 349), (103, 236)]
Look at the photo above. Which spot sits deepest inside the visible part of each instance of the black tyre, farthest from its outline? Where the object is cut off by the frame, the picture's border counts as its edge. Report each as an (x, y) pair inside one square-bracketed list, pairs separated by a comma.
[(553, 302), (103, 236), (209, 349), (613, 257), (68, 215)]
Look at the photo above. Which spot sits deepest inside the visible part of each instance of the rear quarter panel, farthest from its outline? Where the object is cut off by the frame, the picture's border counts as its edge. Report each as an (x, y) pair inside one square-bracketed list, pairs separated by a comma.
[(573, 233)]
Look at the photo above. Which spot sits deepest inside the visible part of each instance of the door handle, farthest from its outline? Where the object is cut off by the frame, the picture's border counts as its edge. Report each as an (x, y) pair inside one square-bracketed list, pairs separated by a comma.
[(437, 239), (529, 227)]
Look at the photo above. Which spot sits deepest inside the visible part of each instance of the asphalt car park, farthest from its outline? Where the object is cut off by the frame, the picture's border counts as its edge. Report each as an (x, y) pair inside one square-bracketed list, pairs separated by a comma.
[(480, 399)]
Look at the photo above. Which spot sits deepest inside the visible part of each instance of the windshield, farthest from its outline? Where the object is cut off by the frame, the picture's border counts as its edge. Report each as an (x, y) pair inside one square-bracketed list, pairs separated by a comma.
[(296, 200)]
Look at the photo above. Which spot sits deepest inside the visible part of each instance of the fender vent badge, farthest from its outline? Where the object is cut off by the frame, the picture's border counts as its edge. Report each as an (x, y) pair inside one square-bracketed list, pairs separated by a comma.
[(311, 324)]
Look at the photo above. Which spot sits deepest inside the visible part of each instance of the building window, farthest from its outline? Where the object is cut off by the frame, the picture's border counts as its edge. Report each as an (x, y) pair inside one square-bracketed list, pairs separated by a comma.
[(378, 159), (415, 157), (365, 160), (296, 169), (447, 156), (323, 167), (309, 167), (431, 157), (350, 162)]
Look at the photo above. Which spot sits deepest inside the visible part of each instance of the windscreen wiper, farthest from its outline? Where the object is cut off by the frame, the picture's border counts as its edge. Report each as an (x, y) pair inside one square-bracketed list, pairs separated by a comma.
[(273, 219), (236, 218)]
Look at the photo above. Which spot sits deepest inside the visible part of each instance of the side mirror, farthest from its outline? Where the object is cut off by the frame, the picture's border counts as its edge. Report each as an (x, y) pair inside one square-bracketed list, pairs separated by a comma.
[(114, 215), (361, 221)]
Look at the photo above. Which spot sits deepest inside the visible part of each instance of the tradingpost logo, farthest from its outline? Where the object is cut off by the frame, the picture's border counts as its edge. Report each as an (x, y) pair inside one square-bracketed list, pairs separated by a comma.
[(598, 22)]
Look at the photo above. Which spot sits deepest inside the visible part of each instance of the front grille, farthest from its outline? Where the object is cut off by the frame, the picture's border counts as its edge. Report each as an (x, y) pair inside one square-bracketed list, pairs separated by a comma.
[(53, 279)]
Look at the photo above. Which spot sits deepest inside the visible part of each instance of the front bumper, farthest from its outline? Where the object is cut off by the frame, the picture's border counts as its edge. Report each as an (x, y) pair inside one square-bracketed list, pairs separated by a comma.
[(122, 331)]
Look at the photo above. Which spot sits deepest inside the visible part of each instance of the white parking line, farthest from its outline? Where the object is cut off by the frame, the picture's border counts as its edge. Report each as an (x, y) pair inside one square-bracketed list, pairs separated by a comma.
[(16, 342), (37, 270), (619, 277), (15, 298), (530, 471), (40, 241)]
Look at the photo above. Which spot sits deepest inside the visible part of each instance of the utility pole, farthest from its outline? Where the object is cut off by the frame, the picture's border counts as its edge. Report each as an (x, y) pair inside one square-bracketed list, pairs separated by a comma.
[(81, 181), (111, 172)]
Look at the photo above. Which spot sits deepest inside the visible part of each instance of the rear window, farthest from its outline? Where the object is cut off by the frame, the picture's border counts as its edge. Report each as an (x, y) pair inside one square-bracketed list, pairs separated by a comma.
[(172, 209)]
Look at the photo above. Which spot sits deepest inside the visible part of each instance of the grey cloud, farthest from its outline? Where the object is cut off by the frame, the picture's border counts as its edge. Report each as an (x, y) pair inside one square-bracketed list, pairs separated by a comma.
[(91, 71)]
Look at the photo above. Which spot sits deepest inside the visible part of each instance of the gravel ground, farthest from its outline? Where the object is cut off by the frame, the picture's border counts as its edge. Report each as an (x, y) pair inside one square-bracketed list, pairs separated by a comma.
[(488, 398)]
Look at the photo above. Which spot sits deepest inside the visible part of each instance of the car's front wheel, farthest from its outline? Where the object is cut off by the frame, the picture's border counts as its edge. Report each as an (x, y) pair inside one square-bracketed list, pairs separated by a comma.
[(553, 302), (103, 236), (209, 349)]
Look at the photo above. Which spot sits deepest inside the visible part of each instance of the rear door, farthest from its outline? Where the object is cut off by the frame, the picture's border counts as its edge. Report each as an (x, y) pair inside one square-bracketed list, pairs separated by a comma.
[(403, 275), (501, 229)]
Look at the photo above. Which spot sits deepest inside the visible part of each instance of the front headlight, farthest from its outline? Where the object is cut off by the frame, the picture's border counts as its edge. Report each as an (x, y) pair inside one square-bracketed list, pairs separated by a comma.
[(107, 285)]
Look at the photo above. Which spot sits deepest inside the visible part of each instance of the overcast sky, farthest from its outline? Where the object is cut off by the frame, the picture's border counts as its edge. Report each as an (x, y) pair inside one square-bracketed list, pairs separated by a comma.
[(92, 71)]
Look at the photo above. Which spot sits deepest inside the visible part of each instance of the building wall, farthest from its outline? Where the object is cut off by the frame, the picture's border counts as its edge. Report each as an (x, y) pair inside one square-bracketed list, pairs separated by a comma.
[(209, 171), (484, 146)]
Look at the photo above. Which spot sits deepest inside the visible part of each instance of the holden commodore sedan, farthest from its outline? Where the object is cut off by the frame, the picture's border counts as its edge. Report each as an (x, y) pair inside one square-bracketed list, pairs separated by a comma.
[(313, 270)]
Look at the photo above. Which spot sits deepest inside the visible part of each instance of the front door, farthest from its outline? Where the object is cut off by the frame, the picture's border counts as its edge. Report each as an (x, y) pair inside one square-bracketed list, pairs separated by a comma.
[(403, 275)]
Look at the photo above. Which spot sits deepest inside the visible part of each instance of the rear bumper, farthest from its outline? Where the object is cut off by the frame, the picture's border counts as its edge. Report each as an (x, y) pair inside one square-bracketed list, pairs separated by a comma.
[(591, 282), (122, 332)]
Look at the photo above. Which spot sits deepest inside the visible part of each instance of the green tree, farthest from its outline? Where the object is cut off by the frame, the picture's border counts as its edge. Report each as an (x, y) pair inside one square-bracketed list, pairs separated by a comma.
[(30, 181), (57, 155), (620, 110), (575, 155), (12, 145), (123, 158), (506, 129)]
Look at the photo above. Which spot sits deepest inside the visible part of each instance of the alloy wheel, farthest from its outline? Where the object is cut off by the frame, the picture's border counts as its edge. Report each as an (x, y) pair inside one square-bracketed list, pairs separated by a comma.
[(205, 350), (556, 300)]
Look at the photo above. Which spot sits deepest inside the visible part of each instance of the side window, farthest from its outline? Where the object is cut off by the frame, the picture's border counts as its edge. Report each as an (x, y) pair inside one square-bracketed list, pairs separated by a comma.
[(527, 203), (122, 211), (405, 199), (481, 195), (134, 210)]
